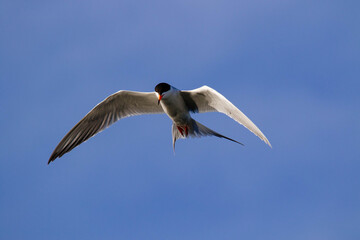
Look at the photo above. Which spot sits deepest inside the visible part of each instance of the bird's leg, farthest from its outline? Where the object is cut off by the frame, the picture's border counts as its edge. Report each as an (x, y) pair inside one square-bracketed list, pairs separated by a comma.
[(180, 130), (184, 130)]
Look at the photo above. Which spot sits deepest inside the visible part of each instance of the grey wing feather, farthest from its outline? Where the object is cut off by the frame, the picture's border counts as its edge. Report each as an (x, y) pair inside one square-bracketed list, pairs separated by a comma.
[(118, 105), (206, 99)]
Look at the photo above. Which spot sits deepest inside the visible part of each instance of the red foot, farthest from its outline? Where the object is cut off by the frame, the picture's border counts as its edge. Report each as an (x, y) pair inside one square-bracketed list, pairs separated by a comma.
[(181, 130)]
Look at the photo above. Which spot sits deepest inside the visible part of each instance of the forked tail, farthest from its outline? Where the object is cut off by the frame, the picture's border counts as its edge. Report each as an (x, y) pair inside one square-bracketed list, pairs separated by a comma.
[(194, 129)]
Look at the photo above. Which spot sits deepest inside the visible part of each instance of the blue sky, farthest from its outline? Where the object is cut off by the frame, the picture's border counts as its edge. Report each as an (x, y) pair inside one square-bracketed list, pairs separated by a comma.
[(291, 66)]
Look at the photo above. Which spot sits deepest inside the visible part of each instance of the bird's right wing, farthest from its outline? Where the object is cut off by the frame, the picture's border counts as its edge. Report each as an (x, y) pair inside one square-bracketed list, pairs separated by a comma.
[(118, 105), (206, 99)]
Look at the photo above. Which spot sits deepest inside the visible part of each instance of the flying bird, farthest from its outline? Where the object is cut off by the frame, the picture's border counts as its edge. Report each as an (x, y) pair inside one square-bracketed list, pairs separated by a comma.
[(175, 103)]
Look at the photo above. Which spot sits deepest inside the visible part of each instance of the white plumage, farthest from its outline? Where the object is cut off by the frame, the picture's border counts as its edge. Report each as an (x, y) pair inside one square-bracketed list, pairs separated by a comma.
[(166, 99)]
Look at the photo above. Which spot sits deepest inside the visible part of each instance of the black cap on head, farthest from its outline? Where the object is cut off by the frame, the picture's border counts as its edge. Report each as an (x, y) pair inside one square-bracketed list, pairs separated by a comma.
[(162, 87)]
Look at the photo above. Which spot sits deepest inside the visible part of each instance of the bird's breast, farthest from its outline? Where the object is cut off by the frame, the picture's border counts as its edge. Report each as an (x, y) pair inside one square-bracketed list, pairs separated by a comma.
[(176, 109)]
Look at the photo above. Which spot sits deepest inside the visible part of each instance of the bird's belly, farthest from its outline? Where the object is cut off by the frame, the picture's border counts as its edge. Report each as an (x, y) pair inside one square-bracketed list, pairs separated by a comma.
[(176, 112)]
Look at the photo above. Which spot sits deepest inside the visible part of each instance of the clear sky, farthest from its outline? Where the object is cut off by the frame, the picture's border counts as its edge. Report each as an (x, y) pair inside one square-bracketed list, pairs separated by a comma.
[(292, 66)]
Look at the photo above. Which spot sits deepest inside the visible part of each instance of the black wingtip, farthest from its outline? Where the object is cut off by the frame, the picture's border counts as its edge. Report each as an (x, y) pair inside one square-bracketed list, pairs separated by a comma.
[(52, 158)]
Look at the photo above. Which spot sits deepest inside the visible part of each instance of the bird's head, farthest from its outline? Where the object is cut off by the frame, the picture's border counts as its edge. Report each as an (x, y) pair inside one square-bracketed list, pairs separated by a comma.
[(162, 89)]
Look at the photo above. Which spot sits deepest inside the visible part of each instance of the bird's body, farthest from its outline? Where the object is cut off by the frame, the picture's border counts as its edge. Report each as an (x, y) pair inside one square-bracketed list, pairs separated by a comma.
[(166, 99), (174, 106)]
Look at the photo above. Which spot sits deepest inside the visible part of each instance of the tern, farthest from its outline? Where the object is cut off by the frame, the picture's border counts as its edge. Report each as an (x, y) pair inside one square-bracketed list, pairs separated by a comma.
[(175, 103)]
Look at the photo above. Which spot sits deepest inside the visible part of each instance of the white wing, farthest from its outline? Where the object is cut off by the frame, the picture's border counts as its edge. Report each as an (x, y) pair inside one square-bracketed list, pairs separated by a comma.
[(119, 105), (206, 99)]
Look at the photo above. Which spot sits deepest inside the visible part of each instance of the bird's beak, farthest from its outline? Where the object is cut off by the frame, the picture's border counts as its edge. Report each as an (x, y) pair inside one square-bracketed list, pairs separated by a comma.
[(160, 97)]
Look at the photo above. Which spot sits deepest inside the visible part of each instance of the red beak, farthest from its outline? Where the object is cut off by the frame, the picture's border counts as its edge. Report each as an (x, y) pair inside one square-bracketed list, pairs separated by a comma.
[(160, 97)]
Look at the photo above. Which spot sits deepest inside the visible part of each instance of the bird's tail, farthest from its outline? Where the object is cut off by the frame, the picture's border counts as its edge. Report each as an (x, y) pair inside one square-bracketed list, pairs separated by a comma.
[(194, 129)]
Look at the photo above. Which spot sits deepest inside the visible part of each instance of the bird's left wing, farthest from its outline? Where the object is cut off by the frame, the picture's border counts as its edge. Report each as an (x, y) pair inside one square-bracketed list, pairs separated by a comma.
[(206, 99), (118, 105)]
